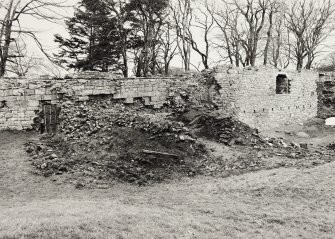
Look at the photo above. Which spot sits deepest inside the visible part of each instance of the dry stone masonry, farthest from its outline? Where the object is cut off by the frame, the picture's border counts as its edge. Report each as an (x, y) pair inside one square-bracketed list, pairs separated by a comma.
[(251, 95), (248, 94), (21, 98)]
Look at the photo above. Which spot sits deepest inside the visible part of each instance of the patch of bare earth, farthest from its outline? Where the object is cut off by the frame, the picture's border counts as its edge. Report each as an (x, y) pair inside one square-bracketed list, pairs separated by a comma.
[(276, 203)]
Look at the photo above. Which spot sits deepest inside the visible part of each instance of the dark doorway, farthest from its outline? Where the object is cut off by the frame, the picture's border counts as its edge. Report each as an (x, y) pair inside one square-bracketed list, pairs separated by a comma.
[(50, 118)]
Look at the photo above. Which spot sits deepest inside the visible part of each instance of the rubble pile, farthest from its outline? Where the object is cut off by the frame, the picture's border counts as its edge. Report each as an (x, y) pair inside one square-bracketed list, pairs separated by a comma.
[(226, 130), (247, 162), (331, 146), (201, 92), (79, 120), (104, 140), (249, 159), (326, 100)]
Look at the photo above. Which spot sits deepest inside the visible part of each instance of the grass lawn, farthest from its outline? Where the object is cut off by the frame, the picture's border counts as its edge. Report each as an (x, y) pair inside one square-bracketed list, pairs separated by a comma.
[(279, 203)]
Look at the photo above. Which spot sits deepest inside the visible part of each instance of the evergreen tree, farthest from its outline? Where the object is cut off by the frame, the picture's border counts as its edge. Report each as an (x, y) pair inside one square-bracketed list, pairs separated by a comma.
[(124, 31), (93, 42)]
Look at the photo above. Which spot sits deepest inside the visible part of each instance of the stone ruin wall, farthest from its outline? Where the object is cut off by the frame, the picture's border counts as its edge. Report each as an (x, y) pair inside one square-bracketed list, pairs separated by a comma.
[(248, 94), (21, 99)]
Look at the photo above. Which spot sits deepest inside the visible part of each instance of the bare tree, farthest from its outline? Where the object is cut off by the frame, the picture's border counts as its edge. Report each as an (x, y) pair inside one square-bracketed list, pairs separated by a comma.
[(277, 47), (19, 61), (231, 38), (310, 23), (182, 14), (277, 41), (242, 24), (328, 63), (168, 46), (203, 22), (254, 16), (10, 23)]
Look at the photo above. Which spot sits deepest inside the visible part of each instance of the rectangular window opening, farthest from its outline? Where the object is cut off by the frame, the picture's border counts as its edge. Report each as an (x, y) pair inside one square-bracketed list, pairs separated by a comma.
[(283, 84)]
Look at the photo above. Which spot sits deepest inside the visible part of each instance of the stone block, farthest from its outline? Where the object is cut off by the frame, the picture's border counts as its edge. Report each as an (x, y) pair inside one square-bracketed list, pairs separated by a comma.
[(78, 87), (117, 96), (87, 92), (83, 98), (18, 92), (48, 97), (40, 91), (8, 92), (33, 103), (129, 101), (154, 98), (147, 100), (130, 94), (29, 92)]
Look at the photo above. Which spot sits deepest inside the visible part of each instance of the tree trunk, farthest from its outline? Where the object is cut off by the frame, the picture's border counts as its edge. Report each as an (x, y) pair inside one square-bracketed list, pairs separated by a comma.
[(205, 62), (166, 69), (299, 63), (6, 31), (253, 55), (186, 45), (123, 36), (5, 50), (309, 61), (277, 51), (125, 67), (266, 50), (237, 55), (124, 57), (187, 51), (2, 69), (139, 68), (252, 60)]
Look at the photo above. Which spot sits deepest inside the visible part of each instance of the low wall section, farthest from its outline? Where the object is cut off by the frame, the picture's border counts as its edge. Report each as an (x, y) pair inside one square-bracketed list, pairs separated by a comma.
[(21, 98)]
